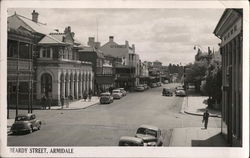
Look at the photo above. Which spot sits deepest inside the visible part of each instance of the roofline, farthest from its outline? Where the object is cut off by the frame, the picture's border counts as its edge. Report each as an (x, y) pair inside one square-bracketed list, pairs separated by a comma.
[(31, 19), (222, 17)]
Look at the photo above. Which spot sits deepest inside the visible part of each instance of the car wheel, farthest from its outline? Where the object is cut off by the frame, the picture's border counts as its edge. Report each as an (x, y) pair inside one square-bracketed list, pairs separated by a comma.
[(39, 127), (160, 144), (31, 129)]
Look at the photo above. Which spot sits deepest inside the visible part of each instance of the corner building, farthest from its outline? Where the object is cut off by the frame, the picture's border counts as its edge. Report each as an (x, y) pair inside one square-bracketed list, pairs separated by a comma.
[(230, 30), (55, 69)]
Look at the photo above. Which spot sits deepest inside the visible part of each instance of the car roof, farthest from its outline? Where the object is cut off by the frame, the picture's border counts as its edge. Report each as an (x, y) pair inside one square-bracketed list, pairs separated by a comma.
[(149, 127), (105, 93), (132, 139)]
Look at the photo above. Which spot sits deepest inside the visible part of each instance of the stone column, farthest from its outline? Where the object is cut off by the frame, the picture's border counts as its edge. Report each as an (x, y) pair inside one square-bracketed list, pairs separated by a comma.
[(72, 86), (91, 81), (87, 83), (63, 88), (80, 86), (76, 88), (56, 90)]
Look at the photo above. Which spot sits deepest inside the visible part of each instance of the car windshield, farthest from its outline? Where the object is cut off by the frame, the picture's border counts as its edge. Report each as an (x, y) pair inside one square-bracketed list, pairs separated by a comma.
[(146, 131), (116, 91), (21, 118)]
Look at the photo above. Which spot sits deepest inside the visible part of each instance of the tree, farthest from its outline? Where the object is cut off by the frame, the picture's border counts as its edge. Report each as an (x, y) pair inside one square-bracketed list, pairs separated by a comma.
[(195, 73), (214, 81)]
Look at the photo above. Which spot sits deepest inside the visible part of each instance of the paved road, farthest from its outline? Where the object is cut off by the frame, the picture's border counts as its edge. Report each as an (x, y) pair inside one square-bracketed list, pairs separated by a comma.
[(103, 125)]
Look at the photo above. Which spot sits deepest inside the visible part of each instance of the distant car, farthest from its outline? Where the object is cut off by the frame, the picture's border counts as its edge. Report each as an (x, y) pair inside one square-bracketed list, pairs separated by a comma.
[(151, 135), (145, 86), (25, 123), (139, 88), (117, 94), (124, 93), (180, 93), (158, 84), (179, 88), (106, 98), (130, 141), (166, 82), (153, 85), (167, 92)]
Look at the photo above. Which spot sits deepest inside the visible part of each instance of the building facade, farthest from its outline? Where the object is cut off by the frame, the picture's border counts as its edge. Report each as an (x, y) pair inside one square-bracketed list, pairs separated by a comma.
[(20, 76), (103, 70), (130, 62), (230, 30), (57, 71)]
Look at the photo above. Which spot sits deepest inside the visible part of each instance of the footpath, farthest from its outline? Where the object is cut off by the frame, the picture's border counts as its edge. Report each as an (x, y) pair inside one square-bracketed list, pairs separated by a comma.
[(76, 105), (197, 136)]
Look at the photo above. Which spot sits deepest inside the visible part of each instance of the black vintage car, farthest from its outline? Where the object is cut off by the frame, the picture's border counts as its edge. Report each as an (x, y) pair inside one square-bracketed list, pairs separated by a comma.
[(167, 92), (130, 141), (26, 122)]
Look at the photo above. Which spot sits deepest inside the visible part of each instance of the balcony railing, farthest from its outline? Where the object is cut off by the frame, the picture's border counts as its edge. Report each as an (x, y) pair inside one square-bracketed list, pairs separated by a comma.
[(21, 64)]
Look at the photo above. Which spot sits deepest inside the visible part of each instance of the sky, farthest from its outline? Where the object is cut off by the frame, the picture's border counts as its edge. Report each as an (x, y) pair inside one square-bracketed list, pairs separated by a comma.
[(167, 35)]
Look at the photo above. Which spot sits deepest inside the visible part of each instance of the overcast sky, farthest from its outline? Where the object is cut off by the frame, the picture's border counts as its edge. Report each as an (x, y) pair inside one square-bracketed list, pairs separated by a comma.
[(167, 35)]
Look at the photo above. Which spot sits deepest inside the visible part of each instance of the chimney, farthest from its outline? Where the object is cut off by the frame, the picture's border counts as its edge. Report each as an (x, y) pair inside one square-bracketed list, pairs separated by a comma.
[(34, 16), (91, 41), (133, 47), (97, 45), (126, 43), (111, 38)]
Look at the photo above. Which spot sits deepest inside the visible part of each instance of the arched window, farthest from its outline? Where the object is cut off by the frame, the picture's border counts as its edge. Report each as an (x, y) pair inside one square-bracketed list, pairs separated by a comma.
[(46, 84)]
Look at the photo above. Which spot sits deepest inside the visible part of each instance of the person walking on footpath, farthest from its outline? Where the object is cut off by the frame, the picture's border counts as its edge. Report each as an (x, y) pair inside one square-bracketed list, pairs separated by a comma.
[(205, 118), (85, 96), (90, 94), (44, 100), (62, 101)]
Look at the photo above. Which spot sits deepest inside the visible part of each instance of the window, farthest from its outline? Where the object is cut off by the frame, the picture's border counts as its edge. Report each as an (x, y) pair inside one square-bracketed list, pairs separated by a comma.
[(12, 48), (45, 52), (24, 50)]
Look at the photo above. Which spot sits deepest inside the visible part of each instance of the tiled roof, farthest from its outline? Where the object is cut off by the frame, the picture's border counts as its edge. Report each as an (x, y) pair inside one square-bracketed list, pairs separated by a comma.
[(37, 27), (48, 39)]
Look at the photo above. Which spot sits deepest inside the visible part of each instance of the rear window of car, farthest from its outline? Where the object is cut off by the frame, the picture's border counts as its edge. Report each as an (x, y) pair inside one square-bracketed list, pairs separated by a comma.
[(147, 131), (21, 118)]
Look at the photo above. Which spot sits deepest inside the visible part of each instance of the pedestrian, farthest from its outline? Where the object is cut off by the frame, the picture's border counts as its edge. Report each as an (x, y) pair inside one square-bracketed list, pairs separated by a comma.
[(50, 100), (44, 100), (85, 96), (62, 101), (90, 94), (205, 118)]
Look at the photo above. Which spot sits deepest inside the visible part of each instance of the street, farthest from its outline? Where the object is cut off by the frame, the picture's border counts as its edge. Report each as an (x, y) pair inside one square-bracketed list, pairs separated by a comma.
[(104, 124)]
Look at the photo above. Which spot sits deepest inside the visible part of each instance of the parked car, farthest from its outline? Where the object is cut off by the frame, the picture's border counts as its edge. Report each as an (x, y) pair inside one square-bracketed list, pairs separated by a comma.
[(25, 123), (179, 88), (153, 85), (167, 92), (145, 86), (139, 88), (106, 98), (158, 84), (166, 82), (124, 93), (117, 94), (151, 135), (130, 141), (180, 93)]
